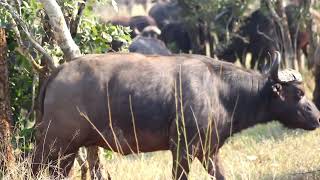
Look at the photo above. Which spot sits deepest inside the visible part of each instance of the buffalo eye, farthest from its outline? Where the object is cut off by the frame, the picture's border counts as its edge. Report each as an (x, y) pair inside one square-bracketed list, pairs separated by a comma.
[(300, 94)]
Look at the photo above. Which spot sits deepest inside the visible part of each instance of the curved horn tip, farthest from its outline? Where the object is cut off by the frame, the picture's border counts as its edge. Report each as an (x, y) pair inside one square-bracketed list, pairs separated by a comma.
[(277, 57), (274, 69)]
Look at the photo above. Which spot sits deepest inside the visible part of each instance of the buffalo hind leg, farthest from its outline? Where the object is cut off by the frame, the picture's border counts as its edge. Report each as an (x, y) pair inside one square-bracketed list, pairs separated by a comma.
[(52, 151), (59, 163), (83, 165), (180, 168), (213, 166), (64, 165)]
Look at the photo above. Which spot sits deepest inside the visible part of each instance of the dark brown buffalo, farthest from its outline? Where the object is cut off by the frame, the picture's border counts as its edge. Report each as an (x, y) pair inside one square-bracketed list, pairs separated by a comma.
[(138, 103), (259, 36), (175, 32), (177, 37), (136, 24), (120, 20), (165, 12)]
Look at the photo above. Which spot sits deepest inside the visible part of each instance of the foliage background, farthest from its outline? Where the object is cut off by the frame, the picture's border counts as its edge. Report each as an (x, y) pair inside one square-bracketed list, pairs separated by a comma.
[(92, 37)]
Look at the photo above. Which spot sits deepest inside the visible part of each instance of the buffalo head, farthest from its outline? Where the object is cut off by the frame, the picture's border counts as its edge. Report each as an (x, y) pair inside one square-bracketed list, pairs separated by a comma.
[(288, 102)]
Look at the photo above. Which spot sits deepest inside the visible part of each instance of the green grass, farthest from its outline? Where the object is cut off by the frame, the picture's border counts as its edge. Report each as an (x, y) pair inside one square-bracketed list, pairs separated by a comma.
[(272, 152)]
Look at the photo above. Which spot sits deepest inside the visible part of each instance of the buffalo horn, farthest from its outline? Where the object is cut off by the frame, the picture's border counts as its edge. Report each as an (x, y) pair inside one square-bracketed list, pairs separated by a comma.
[(274, 69)]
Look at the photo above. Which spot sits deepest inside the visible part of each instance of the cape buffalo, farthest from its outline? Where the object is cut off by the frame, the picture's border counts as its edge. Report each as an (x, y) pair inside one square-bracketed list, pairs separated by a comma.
[(148, 43), (136, 24), (188, 104), (176, 36), (260, 35), (176, 33), (165, 12)]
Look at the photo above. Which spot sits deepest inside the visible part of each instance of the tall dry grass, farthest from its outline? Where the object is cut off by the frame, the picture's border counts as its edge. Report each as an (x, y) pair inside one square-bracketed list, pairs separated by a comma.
[(264, 152)]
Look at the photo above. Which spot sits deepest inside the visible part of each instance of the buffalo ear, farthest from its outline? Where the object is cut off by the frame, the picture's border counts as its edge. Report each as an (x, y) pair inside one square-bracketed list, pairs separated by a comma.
[(277, 90)]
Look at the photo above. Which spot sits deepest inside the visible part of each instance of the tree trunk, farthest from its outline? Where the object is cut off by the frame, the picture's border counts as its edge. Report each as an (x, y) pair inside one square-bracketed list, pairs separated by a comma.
[(312, 36), (316, 92), (6, 151), (60, 30), (280, 18)]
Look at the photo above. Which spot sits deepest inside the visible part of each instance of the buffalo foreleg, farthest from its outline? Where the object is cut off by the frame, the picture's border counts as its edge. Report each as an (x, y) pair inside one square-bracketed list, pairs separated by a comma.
[(83, 166), (183, 150), (94, 162)]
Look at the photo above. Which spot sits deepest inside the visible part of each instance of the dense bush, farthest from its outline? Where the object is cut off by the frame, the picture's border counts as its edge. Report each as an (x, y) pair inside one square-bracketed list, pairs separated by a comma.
[(92, 37)]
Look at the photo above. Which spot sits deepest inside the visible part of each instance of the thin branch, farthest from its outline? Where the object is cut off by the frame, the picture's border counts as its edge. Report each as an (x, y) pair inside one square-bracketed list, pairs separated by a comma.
[(273, 12), (75, 22), (23, 50), (284, 31), (264, 34), (18, 6), (315, 14), (33, 99), (244, 39), (24, 28)]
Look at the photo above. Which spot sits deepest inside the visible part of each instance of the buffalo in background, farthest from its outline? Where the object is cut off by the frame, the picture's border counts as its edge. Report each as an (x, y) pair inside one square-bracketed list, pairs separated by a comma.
[(148, 43), (175, 33), (165, 13), (176, 36), (261, 35), (136, 23), (181, 35), (129, 3), (258, 35)]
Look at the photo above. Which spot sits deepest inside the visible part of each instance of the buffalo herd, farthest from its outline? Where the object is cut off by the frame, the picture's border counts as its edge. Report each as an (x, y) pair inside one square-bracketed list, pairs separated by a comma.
[(259, 34), (159, 97)]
